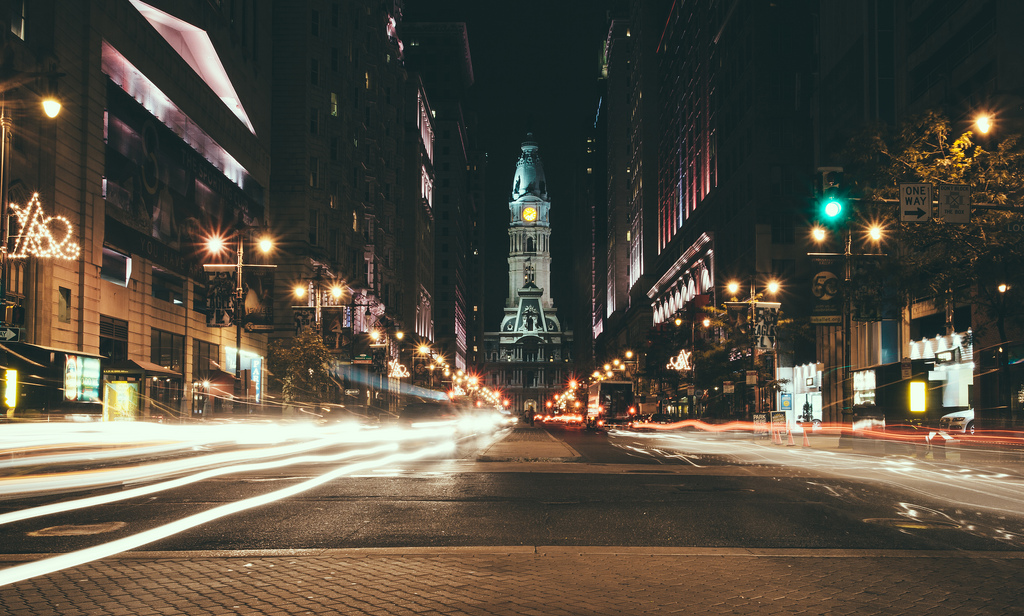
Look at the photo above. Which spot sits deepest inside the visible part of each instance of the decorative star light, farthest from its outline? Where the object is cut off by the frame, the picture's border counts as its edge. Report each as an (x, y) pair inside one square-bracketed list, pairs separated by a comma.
[(35, 237), (680, 362), (397, 370)]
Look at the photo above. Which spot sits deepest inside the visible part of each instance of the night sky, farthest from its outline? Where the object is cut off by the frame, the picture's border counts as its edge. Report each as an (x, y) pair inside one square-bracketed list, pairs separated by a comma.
[(536, 65)]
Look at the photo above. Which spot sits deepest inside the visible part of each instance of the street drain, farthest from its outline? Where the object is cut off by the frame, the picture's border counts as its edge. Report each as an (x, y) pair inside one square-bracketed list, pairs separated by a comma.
[(72, 530), (912, 524)]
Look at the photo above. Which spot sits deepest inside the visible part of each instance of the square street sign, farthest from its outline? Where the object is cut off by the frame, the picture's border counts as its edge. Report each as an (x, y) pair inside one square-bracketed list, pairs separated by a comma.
[(954, 202), (915, 202)]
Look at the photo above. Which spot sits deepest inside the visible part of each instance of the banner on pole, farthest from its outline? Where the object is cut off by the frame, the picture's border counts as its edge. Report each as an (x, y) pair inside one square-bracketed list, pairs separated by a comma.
[(766, 321)]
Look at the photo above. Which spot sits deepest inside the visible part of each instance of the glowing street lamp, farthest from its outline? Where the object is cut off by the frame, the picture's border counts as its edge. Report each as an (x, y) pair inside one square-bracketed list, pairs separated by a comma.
[(51, 107), (984, 123), (217, 244)]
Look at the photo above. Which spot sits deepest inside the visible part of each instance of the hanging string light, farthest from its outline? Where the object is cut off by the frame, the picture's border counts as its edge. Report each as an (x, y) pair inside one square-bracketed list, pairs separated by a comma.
[(35, 238)]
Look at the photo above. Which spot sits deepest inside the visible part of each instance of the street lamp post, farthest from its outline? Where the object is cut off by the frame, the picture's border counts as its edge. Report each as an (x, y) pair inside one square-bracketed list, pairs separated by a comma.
[(51, 108), (772, 287), (874, 235), (215, 245)]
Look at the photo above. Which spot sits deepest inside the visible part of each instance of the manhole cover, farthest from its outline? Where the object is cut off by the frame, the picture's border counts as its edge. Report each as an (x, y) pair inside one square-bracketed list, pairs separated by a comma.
[(912, 524), (72, 530)]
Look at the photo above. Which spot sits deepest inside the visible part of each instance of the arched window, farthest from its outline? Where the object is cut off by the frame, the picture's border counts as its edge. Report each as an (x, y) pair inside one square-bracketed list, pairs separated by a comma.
[(529, 245)]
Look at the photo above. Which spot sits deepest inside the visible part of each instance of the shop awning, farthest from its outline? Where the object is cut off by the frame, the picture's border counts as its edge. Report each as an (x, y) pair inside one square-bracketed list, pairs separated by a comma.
[(138, 366)]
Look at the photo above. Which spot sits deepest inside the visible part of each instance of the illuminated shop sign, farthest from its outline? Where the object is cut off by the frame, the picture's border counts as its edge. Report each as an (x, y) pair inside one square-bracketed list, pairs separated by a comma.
[(81, 378)]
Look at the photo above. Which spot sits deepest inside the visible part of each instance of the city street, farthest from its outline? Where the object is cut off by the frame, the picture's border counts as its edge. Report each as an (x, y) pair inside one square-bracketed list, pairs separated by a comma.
[(541, 517)]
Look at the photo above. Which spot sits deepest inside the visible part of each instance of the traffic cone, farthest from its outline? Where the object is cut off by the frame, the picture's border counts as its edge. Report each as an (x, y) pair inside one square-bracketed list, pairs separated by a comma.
[(791, 442), (807, 442)]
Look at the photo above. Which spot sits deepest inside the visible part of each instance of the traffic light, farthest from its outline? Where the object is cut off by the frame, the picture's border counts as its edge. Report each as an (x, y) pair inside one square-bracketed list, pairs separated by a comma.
[(831, 203), (831, 208)]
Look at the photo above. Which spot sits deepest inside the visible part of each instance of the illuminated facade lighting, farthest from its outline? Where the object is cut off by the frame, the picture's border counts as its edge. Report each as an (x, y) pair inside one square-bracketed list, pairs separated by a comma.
[(36, 238)]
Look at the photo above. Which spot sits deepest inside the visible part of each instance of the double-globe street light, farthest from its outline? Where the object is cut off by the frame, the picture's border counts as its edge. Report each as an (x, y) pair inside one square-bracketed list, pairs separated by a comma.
[(750, 308), (217, 245)]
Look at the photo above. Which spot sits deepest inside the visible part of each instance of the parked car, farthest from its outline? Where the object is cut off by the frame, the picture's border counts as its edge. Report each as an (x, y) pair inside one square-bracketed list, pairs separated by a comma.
[(958, 421)]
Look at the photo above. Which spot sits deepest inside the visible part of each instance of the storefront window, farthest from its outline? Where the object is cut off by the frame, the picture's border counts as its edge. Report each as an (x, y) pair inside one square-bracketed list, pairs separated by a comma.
[(168, 350)]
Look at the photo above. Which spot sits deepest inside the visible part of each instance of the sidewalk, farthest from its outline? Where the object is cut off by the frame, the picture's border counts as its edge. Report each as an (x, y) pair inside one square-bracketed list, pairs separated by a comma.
[(542, 580)]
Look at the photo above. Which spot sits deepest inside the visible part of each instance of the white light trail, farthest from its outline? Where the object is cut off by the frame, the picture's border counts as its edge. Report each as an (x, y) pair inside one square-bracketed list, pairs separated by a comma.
[(46, 566), (96, 478), (963, 484), (105, 499)]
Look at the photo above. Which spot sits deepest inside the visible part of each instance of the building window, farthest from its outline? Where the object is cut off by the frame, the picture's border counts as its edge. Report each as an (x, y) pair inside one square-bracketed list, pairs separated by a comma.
[(335, 10), (64, 305), (199, 298), (168, 287), (334, 104), (168, 350), (334, 148), (314, 71), (314, 172), (314, 227), (205, 359), (314, 121), (113, 338), (314, 23), (18, 18), (116, 268), (783, 228), (334, 58)]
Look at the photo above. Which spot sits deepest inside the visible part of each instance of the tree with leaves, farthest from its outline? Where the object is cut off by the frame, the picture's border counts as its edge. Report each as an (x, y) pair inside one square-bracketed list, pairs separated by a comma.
[(721, 352), (301, 368), (951, 263)]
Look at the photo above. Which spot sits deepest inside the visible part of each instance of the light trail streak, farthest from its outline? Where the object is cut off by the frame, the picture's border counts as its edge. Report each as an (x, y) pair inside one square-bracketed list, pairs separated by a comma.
[(105, 499), (46, 566), (96, 478), (992, 489)]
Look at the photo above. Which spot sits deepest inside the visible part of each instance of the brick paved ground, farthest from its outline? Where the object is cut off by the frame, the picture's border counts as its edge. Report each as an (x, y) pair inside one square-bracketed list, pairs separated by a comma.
[(526, 580)]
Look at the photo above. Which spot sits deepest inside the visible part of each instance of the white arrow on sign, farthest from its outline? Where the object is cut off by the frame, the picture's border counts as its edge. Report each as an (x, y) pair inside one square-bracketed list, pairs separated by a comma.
[(915, 202), (8, 334)]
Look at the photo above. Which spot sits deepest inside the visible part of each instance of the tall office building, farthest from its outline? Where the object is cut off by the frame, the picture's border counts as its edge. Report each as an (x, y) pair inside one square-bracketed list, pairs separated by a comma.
[(162, 141), (353, 182), (440, 54)]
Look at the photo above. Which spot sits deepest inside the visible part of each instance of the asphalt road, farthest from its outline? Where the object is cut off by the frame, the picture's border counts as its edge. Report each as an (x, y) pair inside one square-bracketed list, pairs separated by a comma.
[(625, 490)]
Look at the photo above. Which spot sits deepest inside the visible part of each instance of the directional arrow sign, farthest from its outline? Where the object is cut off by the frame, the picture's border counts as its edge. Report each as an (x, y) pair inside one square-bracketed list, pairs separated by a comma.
[(8, 334), (915, 202)]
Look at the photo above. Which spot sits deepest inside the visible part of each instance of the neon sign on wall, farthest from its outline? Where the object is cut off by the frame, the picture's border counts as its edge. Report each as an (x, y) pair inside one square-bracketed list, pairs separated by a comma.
[(680, 362)]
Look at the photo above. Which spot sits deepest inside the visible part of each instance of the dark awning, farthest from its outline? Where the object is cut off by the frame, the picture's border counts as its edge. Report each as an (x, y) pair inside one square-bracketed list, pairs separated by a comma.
[(137, 366)]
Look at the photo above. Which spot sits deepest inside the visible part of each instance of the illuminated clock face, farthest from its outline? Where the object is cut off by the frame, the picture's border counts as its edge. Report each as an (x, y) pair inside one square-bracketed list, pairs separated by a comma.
[(529, 214)]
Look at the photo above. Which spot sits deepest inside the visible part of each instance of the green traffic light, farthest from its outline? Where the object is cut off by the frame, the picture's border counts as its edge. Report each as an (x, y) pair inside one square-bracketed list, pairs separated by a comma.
[(833, 208)]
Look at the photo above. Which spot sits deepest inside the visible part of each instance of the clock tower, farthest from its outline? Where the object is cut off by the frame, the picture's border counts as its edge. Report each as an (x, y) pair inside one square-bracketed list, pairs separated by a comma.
[(529, 358), (529, 234)]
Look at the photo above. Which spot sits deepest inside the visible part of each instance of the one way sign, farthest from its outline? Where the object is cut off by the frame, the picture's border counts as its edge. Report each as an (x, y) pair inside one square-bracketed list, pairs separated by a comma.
[(915, 202), (9, 334)]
